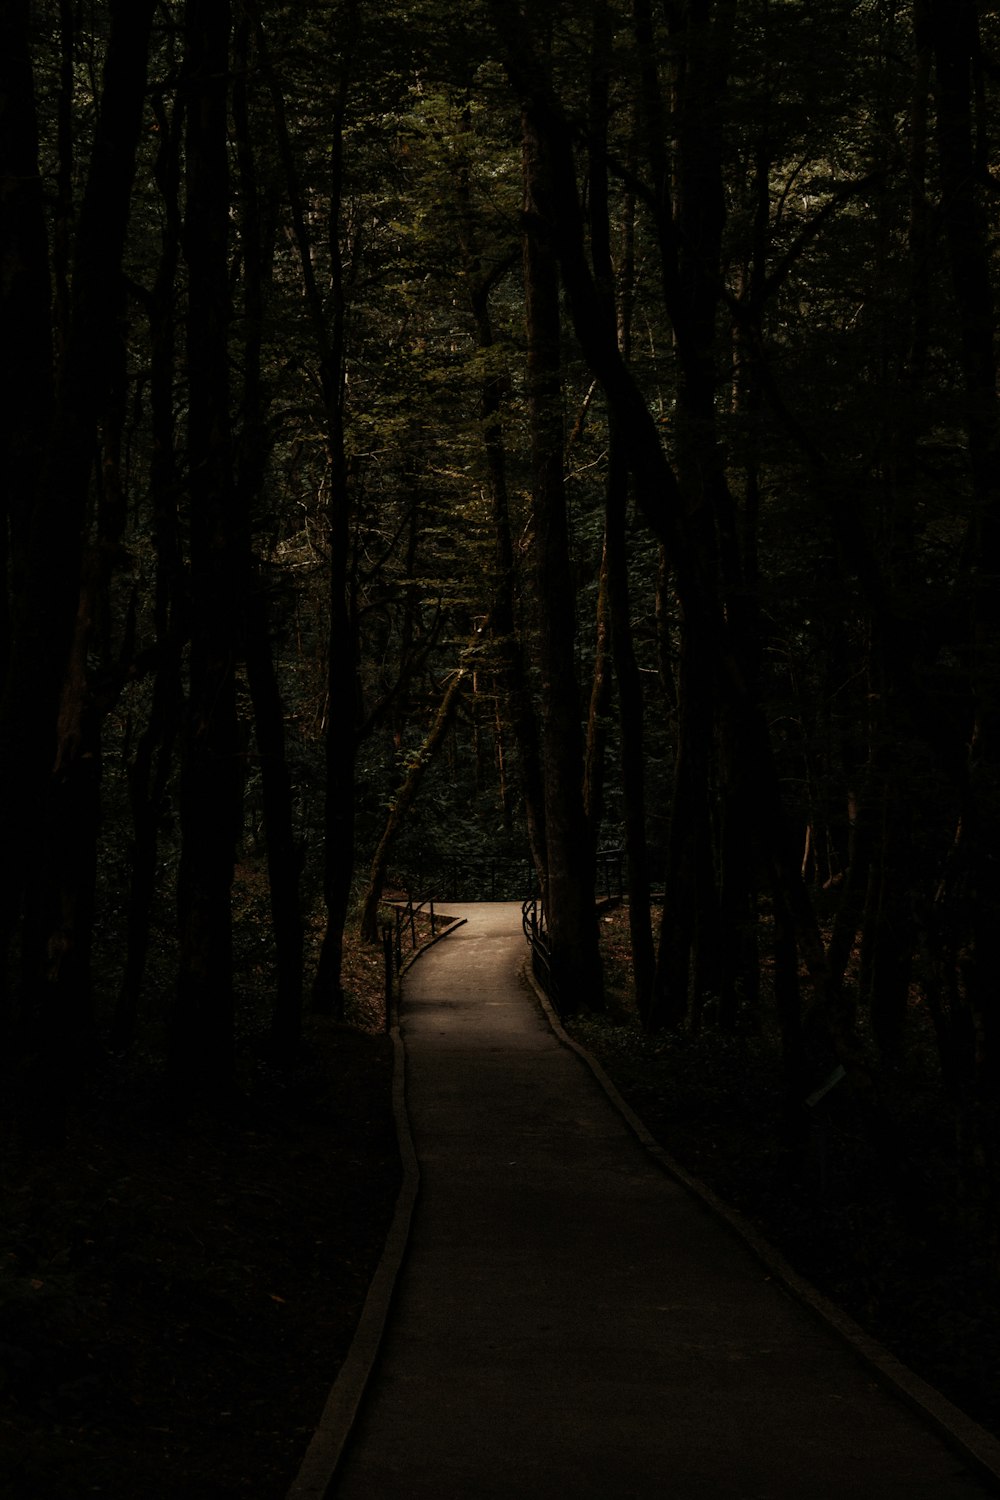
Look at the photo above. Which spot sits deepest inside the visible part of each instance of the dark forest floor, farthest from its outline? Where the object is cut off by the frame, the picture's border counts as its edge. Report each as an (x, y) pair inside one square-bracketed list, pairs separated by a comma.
[(176, 1298)]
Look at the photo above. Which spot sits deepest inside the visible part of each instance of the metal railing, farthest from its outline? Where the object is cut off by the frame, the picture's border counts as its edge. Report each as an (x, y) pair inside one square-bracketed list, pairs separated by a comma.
[(501, 877), (609, 880), (466, 878), (533, 923), (405, 915), (487, 880)]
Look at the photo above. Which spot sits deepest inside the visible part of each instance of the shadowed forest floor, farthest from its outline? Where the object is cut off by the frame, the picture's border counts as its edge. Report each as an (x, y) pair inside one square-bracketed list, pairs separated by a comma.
[(175, 1299)]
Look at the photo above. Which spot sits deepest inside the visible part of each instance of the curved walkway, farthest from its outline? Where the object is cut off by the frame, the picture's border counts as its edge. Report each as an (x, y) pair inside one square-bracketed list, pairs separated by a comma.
[(570, 1322)]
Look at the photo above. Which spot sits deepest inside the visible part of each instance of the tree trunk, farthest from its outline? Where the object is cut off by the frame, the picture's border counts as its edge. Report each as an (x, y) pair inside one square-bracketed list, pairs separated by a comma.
[(283, 854), (149, 773), (343, 694), (403, 801), (25, 403), (46, 723), (201, 1036), (513, 690), (630, 712), (284, 859), (571, 913), (614, 578), (957, 51), (601, 685), (688, 887)]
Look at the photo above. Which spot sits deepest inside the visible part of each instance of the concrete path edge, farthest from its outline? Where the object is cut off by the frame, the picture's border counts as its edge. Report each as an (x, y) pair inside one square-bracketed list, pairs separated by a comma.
[(979, 1447), (326, 1447)]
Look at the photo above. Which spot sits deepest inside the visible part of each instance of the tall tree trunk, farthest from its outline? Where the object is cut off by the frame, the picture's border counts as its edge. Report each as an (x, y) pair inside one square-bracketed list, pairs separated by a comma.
[(149, 773), (615, 578), (202, 1034), (45, 717), (630, 711), (342, 720), (601, 687), (343, 694), (283, 855), (571, 914), (25, 403), (889, 933), (954, 32), (284, 860), (689, 893), (519, 710), (513, 689), (25, 296), (404, 800)]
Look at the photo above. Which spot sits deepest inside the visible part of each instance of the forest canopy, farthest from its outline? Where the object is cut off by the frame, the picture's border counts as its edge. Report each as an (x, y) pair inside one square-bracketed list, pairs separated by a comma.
[(442, 443)]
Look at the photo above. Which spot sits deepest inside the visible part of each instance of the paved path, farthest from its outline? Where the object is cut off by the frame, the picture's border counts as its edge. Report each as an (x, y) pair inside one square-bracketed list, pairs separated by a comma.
[(570, 1322)]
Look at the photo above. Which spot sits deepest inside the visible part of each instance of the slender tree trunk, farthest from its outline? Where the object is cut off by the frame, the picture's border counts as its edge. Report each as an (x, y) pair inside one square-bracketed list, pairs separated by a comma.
[(45, 716), (688, 886), (404, 800), (601, 686), (283, 855), (284, 859), (513, 686), (957, 48), (571, 915), (615, 579), (850, 909), (343, 706), (519, 710), (25, 295), (202, 1037), (630, 710), (149, 773), (788, 1010), (889, 933), (343, 696), (25, 405)]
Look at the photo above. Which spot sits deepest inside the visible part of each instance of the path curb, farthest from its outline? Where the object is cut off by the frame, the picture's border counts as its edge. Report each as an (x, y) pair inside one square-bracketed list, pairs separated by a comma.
[(322, 1458), (979, 1447)]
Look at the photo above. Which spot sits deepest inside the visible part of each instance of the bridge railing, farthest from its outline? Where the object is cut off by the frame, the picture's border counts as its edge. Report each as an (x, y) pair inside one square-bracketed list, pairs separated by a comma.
[(494, 879), (466, 878), (498, 877), (404, 936), (533, 923)]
